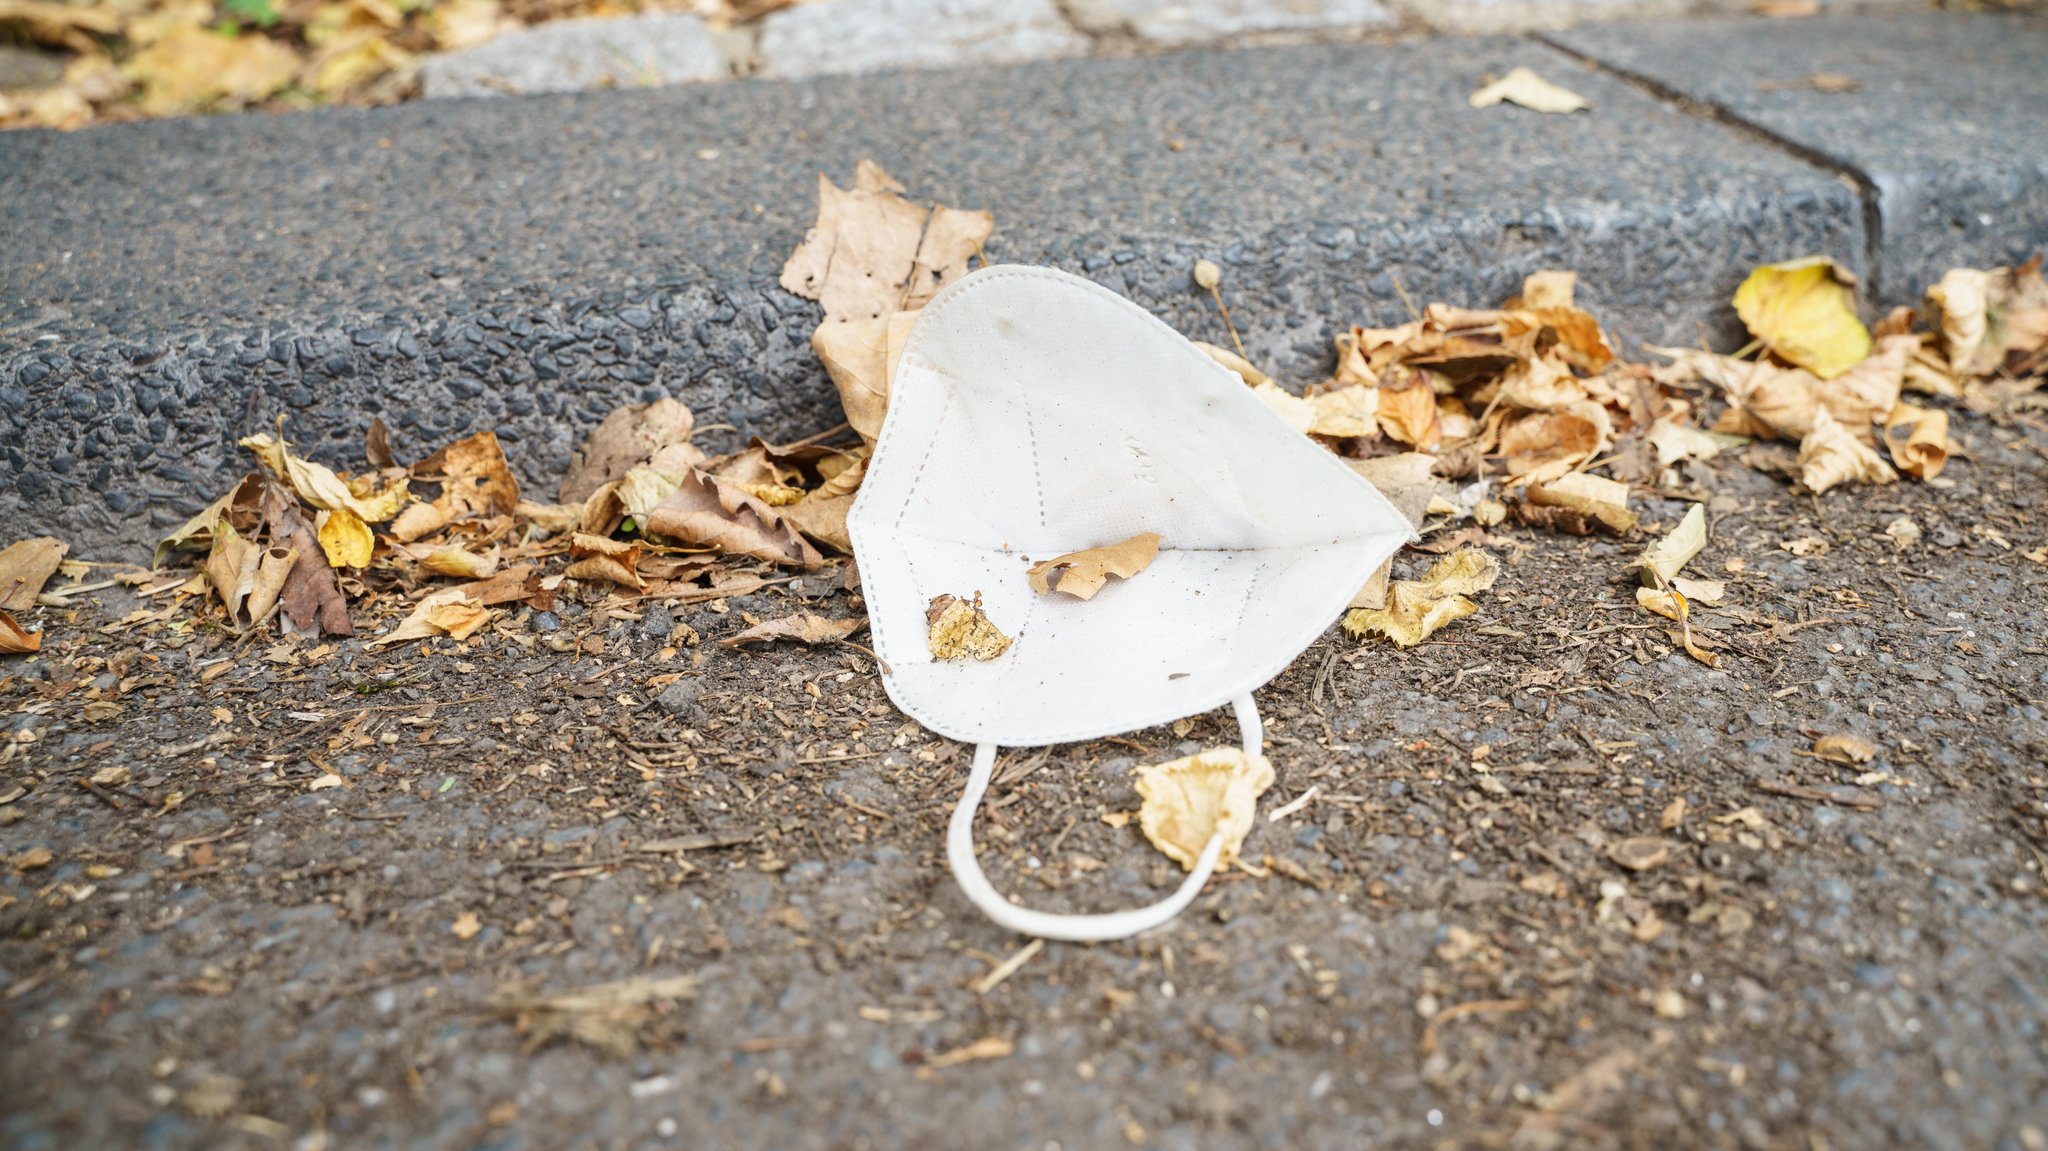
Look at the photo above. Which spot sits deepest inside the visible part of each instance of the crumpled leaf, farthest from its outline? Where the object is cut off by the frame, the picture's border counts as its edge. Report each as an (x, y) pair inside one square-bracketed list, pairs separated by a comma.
[(1542, 446), (458, 561), (1191, 800), (1081, 574), (872, 252), (1523, 86), (612, 1017), (1829, 455), (821, 514), (448, 612), (804, 627), (1345, 412), (475, 479), (1407, 411), (1983, 318), (1660, 562), (17, 640), (1917, 439), (1843, 748), (1675, 442), (625, 439), (860, 357), (345, 539), (319, 486), (1417, 608), (25, 567), (193, 67), (1674, 602), (599, 558), (706, 510), (957, 629), (249, 579), (197, 532), (1601, 500), (1805, 311), (310, 598)]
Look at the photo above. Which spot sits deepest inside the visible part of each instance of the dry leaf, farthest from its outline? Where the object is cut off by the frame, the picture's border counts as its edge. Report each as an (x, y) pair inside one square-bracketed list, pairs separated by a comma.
[(1245, 369), (1918, 440), (1406, 481), (311, 599), (1675, 442), (821, 514), (1603, 500), (466, 926), (458, 561), (1960, 308), (612, 1017), (709, 511), (197, 532), (1417, 608), (1903, 532), (475, 479), (344, 538), (448, 612), (1844, 749), (1660, 562), (626, 438), (1297, 412), (1081, 574), (600, 558), (1407, 412), (320, 486), (193, 67), (1190, 800), (25, 567), (1345, 412), (1805, 311), (1829, 455), (872, 252), (860, 357), (957, 629), (1542, 446), (1523, 86), (15, 639), (803, 627)]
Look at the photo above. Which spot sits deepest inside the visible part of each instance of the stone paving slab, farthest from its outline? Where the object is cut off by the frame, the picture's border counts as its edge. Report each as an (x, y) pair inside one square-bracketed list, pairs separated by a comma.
[(649, 50), (1945, 128), (528, 264), (854, 36)]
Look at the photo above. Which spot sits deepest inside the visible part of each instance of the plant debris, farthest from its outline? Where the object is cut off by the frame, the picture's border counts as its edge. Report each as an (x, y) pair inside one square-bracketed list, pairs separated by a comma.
[(1081, 574), (1188, 801)]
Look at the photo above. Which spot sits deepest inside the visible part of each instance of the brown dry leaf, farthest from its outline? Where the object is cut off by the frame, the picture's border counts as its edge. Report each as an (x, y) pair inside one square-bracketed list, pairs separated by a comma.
[(600, 558), (458, 561), (197, 533), (1417, 608), (1829, 455), (1406, 481), (821, 514), (612, 1017), (1543, 446), (1523, 86), (804, 627), (1675, 442), (1190, 800), (25, 567), (1640, 852), (706, 510), (957, 629), (1845, 749), (448, 612), (249, 579), (1605, 501), (872, 252), (1245, 369), (1918, 440), (1960, 308), (15, 639), (860, 357), (319, 486), (193, 67), (475, 479), (1805, 311), (552, 519), (1407, 412), (1081, 574), (626, 438), (311, 599)]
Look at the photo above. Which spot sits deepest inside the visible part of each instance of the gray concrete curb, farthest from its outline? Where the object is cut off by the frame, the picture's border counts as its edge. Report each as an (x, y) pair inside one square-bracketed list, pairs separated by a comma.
[(527, 264)]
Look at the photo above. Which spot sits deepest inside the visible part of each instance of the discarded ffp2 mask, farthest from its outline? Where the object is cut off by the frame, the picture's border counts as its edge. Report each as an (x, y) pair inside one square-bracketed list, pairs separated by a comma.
[(1034, 413)]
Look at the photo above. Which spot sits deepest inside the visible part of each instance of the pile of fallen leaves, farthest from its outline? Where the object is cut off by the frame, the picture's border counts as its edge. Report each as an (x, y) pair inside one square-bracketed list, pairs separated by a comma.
[(136, 59)]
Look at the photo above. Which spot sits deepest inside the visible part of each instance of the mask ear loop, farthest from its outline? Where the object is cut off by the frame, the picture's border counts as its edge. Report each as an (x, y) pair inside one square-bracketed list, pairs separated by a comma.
[(1076, 928)]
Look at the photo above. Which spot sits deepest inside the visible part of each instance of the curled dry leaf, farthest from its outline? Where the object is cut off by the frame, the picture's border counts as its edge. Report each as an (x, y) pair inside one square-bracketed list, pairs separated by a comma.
[(1244, 368), (448, 612), (311, 600), (1081, 574), (25, 567), (1917, 439), (247, 577), (319, 486), (1190, 800), (475, 479), (1406, 481), (1805, 311), (1829, 455), (1903, 532), (456, 560), (803, 627), (860, 357), (872, 252), (197, 532), (193, 67), (1782, 402), (957, 629), (1602, 501), (15, 639), (1640, 852), (1660, 562), (706, 510), (1407, 411), (626, 438), (1845, 749), (601, 558), (1417, 608), (1523, 86)]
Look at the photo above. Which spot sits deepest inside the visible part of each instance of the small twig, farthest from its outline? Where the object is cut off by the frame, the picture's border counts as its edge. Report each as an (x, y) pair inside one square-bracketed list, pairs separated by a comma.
[(1008, 967)]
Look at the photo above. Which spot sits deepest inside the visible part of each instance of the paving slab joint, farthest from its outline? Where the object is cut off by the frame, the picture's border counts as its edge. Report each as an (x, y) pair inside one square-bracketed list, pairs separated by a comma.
[(1868, 195)]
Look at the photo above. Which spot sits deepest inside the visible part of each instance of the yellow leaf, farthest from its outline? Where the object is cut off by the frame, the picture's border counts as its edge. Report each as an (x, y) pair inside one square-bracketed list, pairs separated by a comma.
[(1347, 411), (319, 486), (448, 612), (1523, 86), (1844, 749), (1589, 495), (356, 61), (1417, 608), (1189, 801), (957, 629), (1081, 574), (345, 538), (458, 561), (1300, 414), (192, 67), (1805, 311)]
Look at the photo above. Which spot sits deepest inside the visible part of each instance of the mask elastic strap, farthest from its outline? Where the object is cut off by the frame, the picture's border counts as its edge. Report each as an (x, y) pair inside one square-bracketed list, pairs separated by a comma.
[(1078, 928)]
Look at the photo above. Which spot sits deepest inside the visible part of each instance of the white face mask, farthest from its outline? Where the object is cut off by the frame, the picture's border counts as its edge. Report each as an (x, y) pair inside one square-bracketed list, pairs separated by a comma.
[(1033, 413)]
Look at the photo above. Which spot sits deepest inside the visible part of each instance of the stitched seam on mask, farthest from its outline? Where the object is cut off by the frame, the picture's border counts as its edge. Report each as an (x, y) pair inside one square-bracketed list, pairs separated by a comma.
[(925, 457), (1037, 468)]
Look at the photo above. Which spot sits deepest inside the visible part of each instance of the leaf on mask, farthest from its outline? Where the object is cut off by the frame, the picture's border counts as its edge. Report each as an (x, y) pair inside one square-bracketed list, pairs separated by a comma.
[(803, 627), (345, 539), (872, 252), (17, 640), (1417, 608), (598, 558), (1191, 800), (1660, 562), (1805, 311), (448, 612), (625, 439), (319, 486), (957, 629), (25, 567), (860, 358), (1829, 455), (1917, 439), (1524, 87), (1081, 574), (706, 510)]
